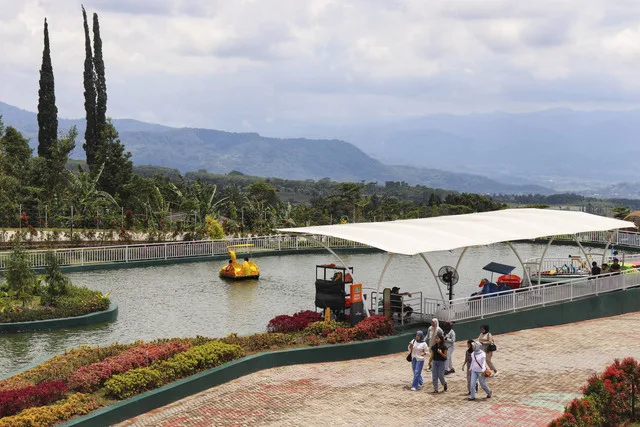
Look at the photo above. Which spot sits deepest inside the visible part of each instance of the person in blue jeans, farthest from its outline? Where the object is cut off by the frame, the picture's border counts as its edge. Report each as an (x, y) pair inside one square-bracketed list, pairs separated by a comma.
[(439, 359), (418, 349), (478, 366)]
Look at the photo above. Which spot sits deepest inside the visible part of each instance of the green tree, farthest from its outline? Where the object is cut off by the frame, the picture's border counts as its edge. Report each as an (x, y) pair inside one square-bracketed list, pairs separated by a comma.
[(15, 154), (19, 275), (57, 283), (100, 79), (621, 212), (89, 78), (118, 167), (47, 110)]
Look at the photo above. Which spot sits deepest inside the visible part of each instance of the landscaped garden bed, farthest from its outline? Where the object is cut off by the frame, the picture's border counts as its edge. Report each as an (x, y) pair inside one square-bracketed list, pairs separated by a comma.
[(87, 378), (27, 297)]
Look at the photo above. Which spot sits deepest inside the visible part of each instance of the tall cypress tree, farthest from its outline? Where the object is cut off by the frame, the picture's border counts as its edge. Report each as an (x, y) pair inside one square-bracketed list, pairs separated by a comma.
[(90, 136), (47, 110), (101, 82)]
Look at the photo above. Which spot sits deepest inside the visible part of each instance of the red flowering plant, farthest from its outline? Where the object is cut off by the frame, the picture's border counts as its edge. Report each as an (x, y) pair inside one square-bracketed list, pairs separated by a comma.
[(296, 323), (14, 401), (24, 219), (610, 398)]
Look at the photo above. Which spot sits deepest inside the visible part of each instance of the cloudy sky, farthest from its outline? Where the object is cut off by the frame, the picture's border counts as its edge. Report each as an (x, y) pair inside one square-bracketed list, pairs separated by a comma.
[(257, 64)]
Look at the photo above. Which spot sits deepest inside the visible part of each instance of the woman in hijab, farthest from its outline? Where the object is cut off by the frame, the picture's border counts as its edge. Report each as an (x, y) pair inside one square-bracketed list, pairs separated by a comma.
[(418, 349), (478, 366), (485, 338)]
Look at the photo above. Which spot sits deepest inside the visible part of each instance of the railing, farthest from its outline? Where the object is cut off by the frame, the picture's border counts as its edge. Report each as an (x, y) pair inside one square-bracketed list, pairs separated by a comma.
[(173, 250), (414, 301), (534, 296), (627, 238)]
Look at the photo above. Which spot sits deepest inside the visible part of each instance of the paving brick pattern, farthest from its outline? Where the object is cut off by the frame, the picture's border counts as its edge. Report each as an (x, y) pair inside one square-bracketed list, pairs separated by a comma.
[(541, 370)]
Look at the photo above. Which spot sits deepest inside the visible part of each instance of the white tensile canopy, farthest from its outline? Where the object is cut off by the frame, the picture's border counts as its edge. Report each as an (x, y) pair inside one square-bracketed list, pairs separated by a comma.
[(423, 235), (416, 236)]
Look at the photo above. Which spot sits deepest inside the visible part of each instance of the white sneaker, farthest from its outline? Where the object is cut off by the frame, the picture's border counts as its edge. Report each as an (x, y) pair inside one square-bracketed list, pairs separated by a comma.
[(420, 386), (495, 374), (413, 389)]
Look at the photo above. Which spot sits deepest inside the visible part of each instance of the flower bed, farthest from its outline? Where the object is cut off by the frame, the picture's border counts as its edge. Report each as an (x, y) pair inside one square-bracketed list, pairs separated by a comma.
[(78, 302), (121, 371), (91, 377), (14, 401), (182, 365), (76, 404)]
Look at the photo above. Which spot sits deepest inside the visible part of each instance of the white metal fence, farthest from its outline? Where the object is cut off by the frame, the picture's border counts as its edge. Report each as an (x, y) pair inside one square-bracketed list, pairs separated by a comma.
[(173, 250), (534, 296)]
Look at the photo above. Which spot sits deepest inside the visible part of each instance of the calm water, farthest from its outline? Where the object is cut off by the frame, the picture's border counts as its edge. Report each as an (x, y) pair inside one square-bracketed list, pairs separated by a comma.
[(190, 299)]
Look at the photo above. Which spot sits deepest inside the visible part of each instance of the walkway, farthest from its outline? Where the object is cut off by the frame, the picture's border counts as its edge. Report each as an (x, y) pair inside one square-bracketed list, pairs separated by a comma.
[(541, 370)]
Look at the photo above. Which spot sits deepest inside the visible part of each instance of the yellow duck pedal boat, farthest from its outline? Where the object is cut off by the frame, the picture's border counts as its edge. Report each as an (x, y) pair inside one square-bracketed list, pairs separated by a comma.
[(235, 270)]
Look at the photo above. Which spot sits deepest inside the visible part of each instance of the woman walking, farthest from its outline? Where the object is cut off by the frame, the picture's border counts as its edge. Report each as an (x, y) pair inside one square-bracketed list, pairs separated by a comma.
[(488, 346), (478, 366), (418, 349), (439, 358), (450, 342), (466, 366)]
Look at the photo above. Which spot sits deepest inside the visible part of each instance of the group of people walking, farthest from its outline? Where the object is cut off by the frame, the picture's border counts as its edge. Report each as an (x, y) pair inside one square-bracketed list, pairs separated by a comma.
[(438, 345)]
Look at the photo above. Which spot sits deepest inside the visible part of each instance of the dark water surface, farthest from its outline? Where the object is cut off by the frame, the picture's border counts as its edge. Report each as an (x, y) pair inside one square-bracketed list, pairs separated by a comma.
[(190, 299)]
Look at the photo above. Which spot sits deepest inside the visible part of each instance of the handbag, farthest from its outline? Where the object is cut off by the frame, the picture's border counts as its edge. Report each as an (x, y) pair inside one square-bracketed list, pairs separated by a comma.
[(409, 358), (486, 372), (492, 347)]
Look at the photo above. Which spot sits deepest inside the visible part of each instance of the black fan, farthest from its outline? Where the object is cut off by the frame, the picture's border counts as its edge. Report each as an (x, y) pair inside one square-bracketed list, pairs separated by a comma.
[(449, 276)]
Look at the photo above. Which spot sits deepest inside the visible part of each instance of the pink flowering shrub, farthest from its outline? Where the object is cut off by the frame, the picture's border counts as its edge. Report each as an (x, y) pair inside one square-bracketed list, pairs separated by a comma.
[(89, 378), (369, 328)]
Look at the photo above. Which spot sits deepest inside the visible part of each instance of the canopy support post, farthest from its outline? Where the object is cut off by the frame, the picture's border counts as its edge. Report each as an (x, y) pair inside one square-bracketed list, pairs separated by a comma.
[(526, 273), (586, 257), (384, 270), (435, 277), (366, 310), (604, 251), (460, 258), (544, 253)]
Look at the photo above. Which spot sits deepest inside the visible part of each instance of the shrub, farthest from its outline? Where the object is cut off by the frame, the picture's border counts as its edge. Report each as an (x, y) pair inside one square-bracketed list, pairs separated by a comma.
[(14, 401), (323, 328), (181, 365), (609, 397), (370, 327), (257, 342), (298, 322), (89, 378), (77, 404)]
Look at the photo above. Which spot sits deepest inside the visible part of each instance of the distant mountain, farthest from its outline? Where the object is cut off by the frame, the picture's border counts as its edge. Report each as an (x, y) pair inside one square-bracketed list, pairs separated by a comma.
[(559, 148), (189, 149)]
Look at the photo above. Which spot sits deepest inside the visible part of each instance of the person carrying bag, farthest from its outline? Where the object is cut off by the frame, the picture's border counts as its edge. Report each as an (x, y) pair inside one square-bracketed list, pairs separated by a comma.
[(417, 351), (478, 371)]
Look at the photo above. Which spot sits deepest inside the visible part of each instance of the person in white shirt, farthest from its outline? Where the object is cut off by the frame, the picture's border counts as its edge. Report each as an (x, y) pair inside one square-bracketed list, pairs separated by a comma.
[(478, 366), (419, 350), (449, 341)]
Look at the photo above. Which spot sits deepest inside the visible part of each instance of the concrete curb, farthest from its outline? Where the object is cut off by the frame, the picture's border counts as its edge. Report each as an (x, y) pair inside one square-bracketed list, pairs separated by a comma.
[(107, 315)]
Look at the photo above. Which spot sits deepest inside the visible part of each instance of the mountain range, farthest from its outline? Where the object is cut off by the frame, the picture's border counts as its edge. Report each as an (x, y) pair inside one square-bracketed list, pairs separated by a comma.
[(191, 149)]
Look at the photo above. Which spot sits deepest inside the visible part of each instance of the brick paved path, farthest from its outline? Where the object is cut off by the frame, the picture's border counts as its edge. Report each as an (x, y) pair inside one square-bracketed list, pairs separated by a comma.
[(540, 371)]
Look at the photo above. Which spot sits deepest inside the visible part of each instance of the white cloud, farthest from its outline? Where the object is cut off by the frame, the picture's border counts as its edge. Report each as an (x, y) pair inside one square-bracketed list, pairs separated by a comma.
[(239, 64)]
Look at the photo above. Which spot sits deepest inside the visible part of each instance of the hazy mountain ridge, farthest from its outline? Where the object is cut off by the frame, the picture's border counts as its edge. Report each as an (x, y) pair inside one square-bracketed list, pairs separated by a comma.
[(190, 149)]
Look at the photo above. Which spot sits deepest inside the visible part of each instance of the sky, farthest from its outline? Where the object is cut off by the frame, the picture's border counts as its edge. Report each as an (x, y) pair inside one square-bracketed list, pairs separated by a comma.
[(248, 65)]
